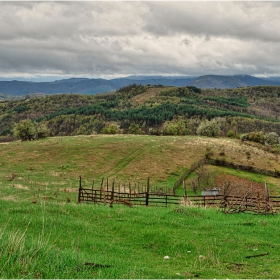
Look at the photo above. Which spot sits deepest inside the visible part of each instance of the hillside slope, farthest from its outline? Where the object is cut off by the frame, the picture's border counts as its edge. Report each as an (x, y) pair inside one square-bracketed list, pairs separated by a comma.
[(59, 161), (155, 110), (222, 82)]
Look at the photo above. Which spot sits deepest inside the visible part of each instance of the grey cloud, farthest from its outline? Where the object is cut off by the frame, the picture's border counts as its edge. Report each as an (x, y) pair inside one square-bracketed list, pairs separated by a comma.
[(98, 38), (186, 42), (250, 20)]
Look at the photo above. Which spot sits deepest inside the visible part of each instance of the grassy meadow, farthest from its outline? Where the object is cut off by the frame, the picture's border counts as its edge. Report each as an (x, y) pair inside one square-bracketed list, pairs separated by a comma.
[(56, 240), (45, 233)]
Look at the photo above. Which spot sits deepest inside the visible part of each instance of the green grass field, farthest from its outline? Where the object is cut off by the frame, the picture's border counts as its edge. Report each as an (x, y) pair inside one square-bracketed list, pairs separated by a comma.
[(56, 240), (43, 235)]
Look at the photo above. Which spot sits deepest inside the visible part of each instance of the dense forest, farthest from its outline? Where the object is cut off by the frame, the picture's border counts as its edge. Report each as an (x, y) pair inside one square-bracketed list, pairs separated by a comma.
[(157, 110)]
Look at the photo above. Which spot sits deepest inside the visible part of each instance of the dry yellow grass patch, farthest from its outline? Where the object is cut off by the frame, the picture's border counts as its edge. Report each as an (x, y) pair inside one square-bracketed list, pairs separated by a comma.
[(69, 190), (9, 198), (55, 174), (151, 92), (21, 187)]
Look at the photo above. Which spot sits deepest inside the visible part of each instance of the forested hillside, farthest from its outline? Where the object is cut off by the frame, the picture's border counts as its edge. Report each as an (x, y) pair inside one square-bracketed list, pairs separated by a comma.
[(156, 110)]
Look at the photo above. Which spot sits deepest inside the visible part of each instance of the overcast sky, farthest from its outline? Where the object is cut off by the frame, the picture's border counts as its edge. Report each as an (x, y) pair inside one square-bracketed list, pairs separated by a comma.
[(106, 39)]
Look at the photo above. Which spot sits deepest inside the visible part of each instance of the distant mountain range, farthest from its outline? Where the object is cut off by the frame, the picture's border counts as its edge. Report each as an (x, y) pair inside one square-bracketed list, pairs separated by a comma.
[(215, 81), (93, 86)]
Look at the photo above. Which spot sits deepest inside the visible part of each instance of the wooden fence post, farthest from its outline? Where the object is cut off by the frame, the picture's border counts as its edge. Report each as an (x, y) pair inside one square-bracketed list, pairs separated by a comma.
[(267, 206), (101, 189), (92, 187), (80, 189), (266, 191), (147, 191), (112, 193)]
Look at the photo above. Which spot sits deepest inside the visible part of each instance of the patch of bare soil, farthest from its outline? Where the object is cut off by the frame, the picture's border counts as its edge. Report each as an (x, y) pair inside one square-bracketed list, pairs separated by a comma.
[(236, 186)]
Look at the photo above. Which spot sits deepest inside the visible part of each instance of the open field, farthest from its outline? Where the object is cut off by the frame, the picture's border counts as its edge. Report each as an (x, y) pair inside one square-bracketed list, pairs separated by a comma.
[(69, 240), (45, 233), (56, 163)]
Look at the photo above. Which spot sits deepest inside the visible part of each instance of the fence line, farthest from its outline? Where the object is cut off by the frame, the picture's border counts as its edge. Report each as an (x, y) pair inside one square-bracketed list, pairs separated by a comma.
[(148, 196), (187, 173), (221, 162)]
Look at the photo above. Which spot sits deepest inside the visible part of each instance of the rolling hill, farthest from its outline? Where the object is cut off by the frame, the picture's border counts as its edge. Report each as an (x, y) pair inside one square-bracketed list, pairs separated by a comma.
[(46, 234), (222, 82), (41, 221), (125, 157), (154, 110)]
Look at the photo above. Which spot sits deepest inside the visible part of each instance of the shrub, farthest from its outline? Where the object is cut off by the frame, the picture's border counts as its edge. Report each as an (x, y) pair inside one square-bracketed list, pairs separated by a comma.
[(112, 129), (231, 134), (42, 130), (209, 128), (25, 130), (256, 136), (178, 126), (98, 125), (155, 131), (244, 136), (271, 139), (135, 128)]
